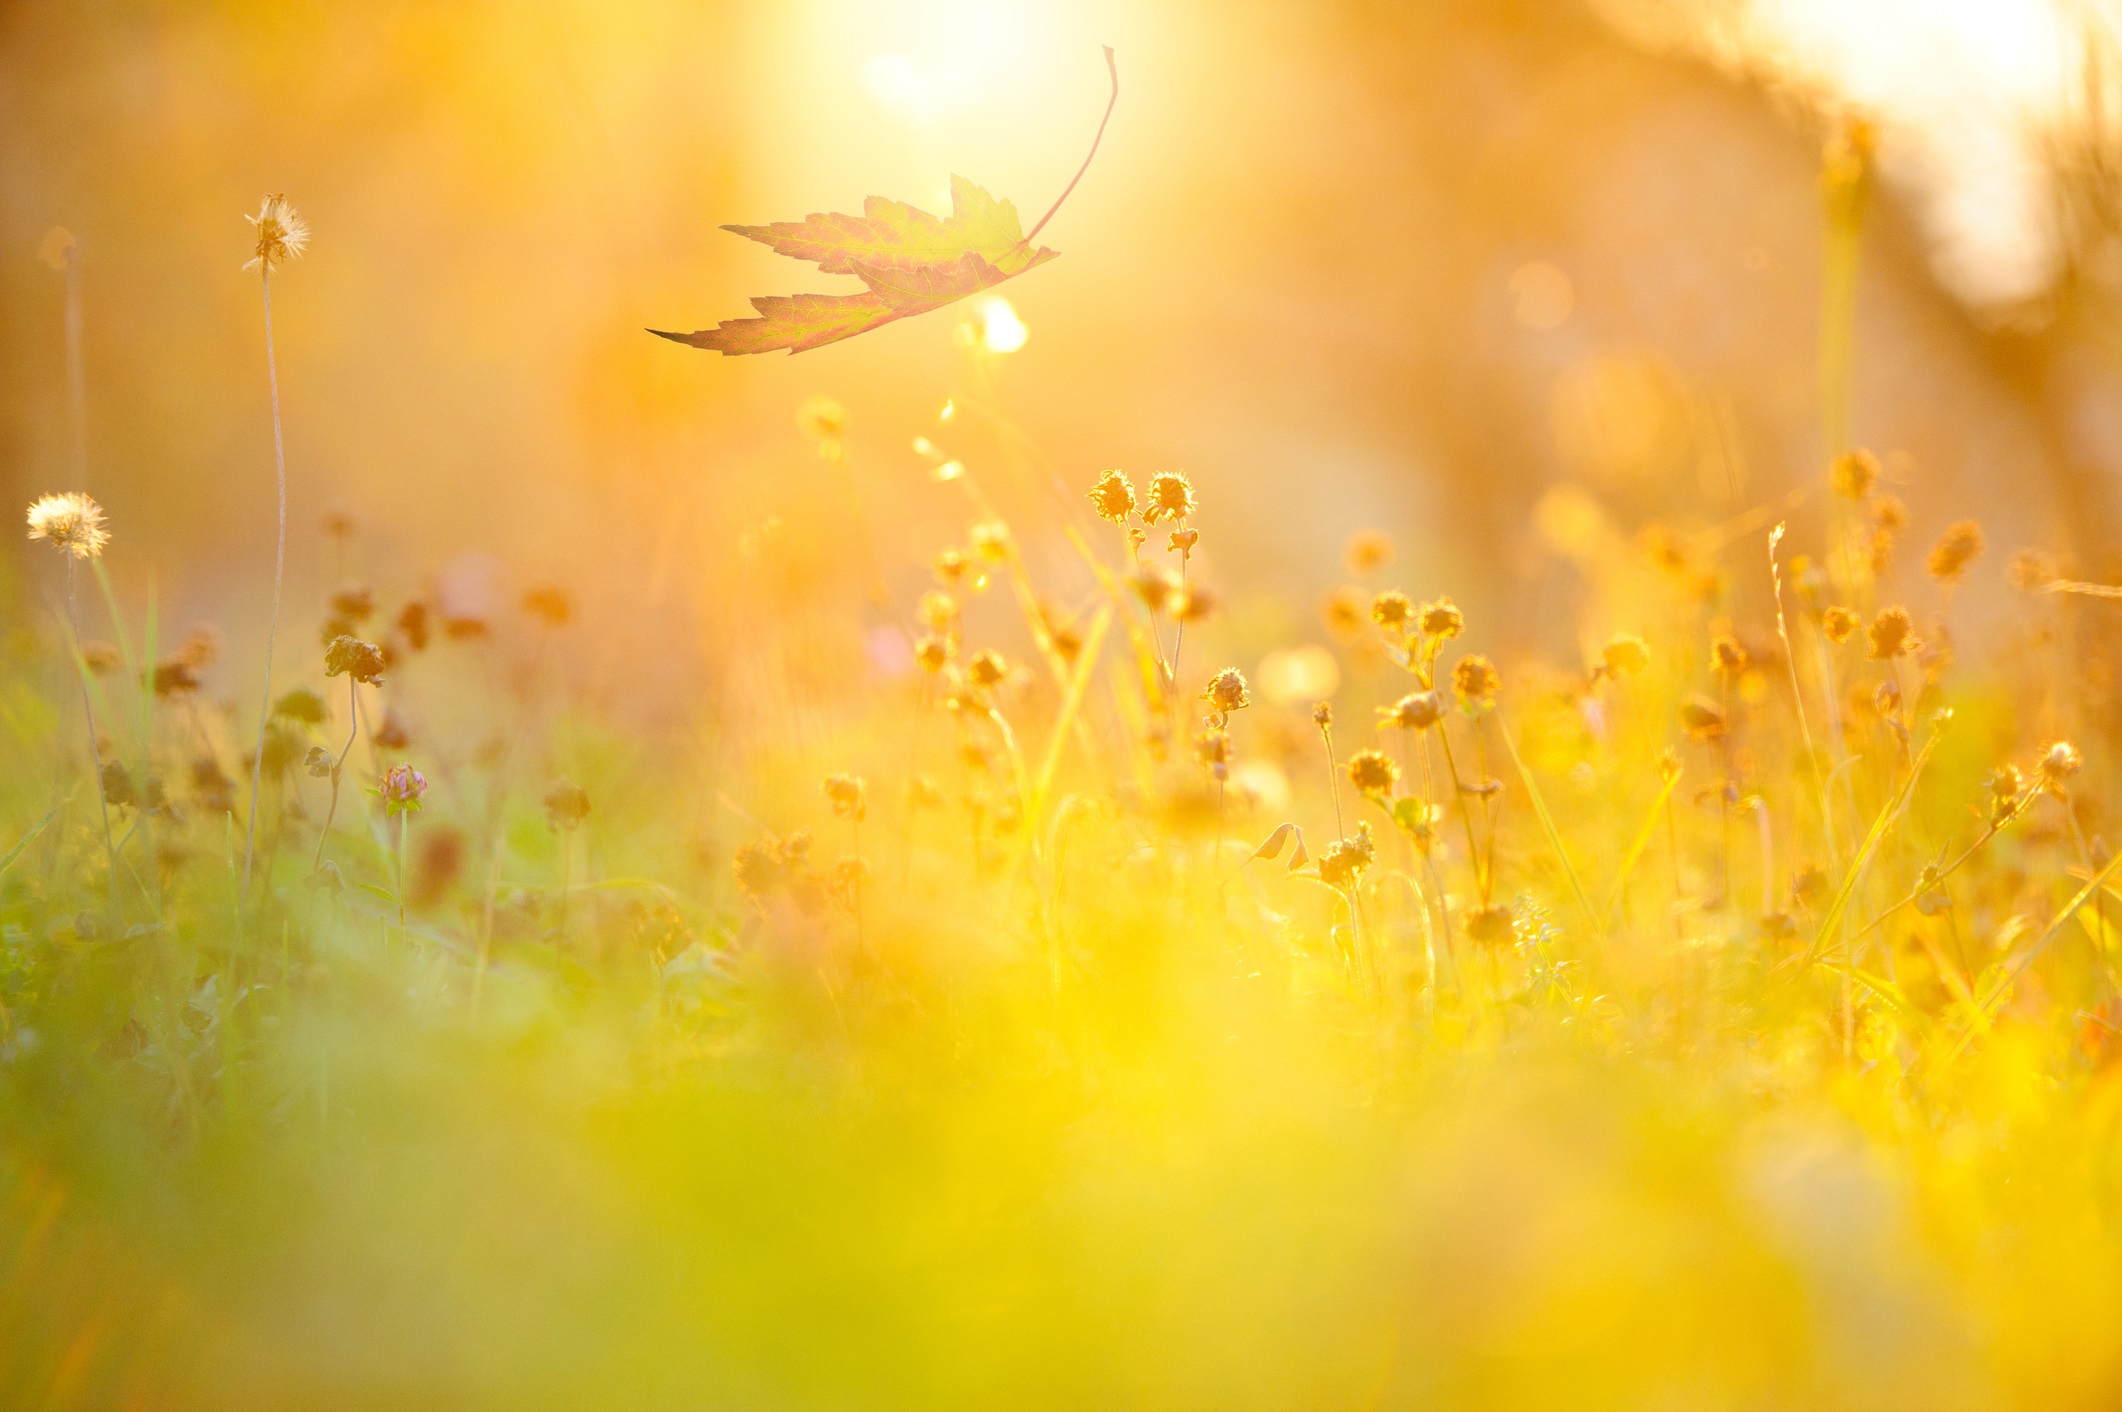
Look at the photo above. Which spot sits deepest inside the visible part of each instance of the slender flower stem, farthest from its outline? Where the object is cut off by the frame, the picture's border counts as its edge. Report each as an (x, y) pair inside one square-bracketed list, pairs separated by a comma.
[(265, 699), (353, 730), (95, 751)]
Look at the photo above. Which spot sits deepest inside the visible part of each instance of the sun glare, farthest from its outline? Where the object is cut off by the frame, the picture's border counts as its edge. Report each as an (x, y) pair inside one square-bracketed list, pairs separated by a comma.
[(1001, 331)]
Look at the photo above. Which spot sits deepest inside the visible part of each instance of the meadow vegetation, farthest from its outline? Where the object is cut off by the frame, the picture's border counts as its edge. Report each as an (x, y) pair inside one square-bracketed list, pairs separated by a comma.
[(1069, 1015)]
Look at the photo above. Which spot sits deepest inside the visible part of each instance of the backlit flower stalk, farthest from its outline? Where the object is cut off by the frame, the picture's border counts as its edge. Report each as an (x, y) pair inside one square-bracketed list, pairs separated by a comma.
[(72, 523), (281, 236)]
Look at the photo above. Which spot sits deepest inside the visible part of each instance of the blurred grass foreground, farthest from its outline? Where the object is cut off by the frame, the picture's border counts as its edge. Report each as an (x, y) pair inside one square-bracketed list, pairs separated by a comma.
[(1563, 861)]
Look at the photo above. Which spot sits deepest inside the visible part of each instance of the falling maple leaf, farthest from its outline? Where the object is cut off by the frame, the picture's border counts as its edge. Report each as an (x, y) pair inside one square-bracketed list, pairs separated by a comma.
[(910, 261)]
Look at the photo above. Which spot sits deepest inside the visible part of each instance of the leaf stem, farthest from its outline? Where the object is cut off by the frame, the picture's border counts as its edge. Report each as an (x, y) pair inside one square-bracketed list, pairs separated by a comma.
[(1112, 68)]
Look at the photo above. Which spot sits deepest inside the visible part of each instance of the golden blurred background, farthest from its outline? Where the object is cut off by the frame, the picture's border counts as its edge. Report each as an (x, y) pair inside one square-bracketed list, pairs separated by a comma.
[(1404, 266)]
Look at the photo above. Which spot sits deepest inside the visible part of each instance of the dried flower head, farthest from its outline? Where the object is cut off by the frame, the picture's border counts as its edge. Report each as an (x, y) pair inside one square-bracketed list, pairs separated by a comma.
[(848, 797), (71, 521), (1889, 514), (1171, 497), (1368, 551), (1226, 691), (2030, 571), (412, 622), (1892, 634), (1343, 610), (1182, 542), (986, 670), (1474, 681), (118, 786), (1441, 619), (281, 233), (174, 676), (1854, 474), (102, 658), (931, 652), (1323, 715), (1839, 624), (1346, 859), (958, 573), (353, 605), (1728, 655), (990, 541), (1625, 655), (1491, 925), (302, 705), (1113, 497), (939, 611), (566, 805), (759, 868), (1156, 587), (1392, 610), (402, 789), (349, 656), (1418, 710), (550, 604), (1702, 718), (2061, 762), (1960, 545), (392, 734), (1197, 602), (318, 762), (1373, 772)]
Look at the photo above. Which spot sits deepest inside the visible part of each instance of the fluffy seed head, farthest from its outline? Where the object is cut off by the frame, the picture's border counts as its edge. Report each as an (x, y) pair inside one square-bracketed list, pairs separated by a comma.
[(71, 521), (1839, 624), (2061, 762), (1418, 710), (282, 235)]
